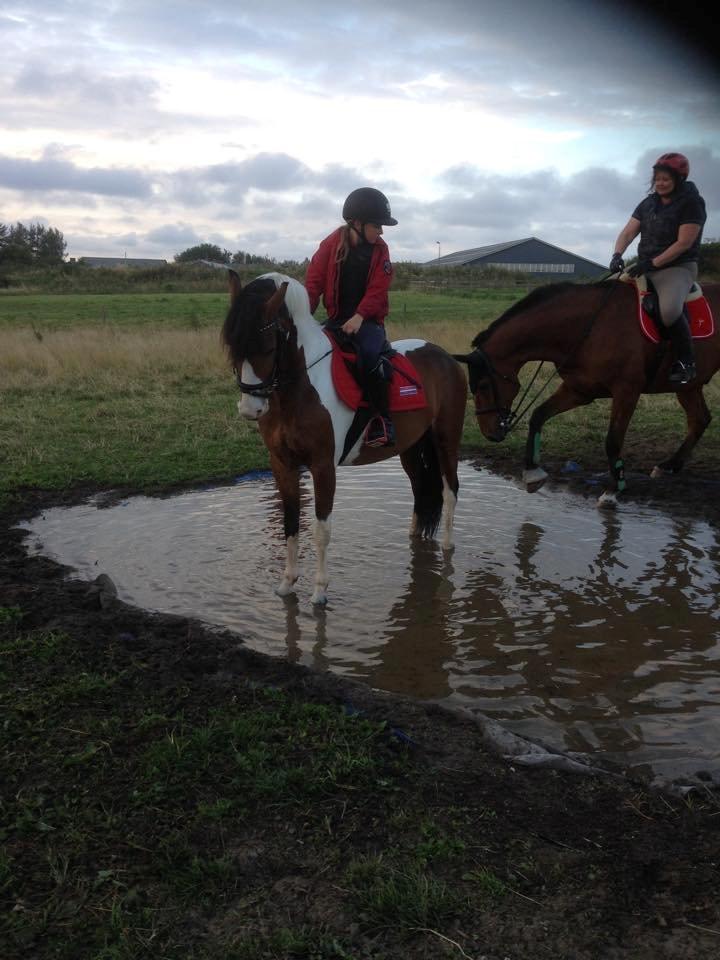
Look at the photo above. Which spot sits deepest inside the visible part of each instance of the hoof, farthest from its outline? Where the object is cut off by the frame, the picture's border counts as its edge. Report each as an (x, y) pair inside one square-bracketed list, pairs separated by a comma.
[(664, 471), (534, 479), (319, 598), (608, 501), (284, 588)]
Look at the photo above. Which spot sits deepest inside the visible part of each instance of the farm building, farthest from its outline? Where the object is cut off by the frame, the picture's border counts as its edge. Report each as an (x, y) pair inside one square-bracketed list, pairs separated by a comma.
[(131, 262), (530, 256)]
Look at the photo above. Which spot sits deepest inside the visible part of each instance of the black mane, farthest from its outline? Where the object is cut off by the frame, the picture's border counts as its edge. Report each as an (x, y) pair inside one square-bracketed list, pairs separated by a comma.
[(536, 297), (242, 330)]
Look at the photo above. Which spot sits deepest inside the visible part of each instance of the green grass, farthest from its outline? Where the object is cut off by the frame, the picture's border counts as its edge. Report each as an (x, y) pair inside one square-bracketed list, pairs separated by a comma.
[(49, 312), (116, 812)]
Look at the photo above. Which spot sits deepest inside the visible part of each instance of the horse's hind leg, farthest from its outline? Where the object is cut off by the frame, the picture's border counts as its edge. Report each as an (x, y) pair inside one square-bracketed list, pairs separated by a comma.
[(698, 420), (324, 480), (287, 480), (420, 462), (447, 452), (561, 401)]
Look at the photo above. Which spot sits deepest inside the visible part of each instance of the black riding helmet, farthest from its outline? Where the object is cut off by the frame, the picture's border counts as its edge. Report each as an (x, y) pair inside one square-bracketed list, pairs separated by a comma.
[(368, 205)]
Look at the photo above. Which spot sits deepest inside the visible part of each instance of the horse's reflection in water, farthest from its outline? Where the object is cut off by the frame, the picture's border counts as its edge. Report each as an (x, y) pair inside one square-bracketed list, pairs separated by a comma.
[(416, 657), (316, 627)]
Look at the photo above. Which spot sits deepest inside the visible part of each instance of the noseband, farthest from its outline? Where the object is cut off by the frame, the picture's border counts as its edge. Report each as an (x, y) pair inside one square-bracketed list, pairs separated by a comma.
[(505, 414)]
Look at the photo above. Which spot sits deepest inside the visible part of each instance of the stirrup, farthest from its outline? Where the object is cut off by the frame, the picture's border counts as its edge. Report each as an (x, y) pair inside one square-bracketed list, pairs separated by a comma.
[(682, 372), (380, 433)]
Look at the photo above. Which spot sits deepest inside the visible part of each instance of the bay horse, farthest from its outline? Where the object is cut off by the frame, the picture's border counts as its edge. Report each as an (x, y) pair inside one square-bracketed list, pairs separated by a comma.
[(591, 333), (282, 359)]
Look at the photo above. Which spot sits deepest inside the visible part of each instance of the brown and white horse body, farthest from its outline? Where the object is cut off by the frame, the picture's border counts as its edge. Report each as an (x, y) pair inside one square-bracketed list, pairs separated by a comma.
[(304, 423)]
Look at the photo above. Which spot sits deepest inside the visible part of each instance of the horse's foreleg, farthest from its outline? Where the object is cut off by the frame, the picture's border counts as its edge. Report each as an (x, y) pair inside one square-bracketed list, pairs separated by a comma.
[(287, 480), (561, 401), (324, 485), (623, 407), (698, 420)]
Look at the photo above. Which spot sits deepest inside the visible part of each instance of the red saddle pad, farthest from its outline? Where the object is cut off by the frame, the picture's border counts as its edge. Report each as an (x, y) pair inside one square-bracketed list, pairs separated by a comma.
[(702, 323), (406, 389)]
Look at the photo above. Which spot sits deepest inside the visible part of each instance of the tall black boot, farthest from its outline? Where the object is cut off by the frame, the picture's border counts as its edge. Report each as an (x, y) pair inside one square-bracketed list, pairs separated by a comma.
[(683, 368), (381, 432)]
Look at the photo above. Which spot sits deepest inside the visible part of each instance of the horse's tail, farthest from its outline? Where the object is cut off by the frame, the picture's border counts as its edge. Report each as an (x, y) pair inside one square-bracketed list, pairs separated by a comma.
[(423, 466)]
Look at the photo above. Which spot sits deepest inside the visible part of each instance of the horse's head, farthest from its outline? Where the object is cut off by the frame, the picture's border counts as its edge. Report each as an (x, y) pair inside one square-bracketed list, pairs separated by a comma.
[(493, 392), (255, 329)]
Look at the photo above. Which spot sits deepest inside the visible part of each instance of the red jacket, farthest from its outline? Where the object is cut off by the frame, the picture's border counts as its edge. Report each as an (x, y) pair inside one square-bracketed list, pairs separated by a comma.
[(323, 279)]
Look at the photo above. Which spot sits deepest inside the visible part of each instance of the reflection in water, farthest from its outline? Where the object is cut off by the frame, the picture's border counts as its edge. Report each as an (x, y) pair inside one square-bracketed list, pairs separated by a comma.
[(590, 631)]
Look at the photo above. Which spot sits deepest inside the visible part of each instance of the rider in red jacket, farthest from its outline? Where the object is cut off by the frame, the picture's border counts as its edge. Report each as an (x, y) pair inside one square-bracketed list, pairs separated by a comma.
[(351, 272)]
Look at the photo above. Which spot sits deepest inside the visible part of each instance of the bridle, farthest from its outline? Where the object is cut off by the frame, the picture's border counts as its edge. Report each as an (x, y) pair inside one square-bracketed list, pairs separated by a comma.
[(506, 416), (265, 388)]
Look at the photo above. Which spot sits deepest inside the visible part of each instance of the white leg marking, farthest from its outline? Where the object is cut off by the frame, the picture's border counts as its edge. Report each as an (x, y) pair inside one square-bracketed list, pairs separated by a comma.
[(291, 568), (413, 524), (608, 501), (657, 472), (322, 539), (534, 479), (449, 504)]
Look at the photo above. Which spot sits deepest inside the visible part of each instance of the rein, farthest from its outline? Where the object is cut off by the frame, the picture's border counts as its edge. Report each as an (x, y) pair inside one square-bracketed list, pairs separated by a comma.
[(509, 419)]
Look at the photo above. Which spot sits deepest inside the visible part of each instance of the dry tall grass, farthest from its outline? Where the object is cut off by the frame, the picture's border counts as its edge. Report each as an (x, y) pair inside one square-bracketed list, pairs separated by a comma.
[(106, 357)]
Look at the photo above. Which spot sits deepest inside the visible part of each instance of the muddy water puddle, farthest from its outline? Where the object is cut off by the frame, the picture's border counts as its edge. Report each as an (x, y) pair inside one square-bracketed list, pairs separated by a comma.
[(588, 631)]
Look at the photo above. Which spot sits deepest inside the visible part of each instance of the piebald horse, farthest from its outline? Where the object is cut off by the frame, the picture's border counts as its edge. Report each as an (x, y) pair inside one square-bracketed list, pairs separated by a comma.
[(591, 333), (282, 360)]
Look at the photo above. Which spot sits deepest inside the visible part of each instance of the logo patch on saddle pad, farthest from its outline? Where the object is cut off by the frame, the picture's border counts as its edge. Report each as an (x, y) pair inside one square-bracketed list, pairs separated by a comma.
[(702, 323), (406, 389)]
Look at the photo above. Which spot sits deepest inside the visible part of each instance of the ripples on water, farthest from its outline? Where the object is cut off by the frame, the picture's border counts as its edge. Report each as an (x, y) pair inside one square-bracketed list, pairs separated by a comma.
[(589, 631)]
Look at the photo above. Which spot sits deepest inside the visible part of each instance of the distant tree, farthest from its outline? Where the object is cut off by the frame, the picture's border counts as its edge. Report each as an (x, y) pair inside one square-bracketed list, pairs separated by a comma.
[(21, 245), (203, 251), (259, 259), (51, 247)]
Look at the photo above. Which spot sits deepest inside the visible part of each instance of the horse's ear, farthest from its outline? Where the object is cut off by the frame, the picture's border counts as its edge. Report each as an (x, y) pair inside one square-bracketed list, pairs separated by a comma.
[(235, 285), (272, 307), (476, 360)]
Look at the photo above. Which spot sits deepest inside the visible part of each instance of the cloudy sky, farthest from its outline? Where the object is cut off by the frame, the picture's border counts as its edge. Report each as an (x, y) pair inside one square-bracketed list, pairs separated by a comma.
[(142, 129)]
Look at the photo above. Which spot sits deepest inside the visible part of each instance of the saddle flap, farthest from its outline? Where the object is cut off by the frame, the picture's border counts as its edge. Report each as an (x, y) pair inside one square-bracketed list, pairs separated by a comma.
[(700, 318), (406, 390)]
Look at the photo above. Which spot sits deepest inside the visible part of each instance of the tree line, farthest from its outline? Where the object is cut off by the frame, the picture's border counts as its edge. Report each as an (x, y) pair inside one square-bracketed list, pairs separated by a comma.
[(211, 251), (30, 246)]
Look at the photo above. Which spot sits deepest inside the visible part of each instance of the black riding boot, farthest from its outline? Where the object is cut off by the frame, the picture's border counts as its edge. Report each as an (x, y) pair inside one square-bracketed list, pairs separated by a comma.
[(683, 368), (381, 432)]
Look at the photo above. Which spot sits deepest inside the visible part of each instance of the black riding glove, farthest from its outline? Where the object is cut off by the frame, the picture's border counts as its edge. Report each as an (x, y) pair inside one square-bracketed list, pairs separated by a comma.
[(642, 266), (617, 264)]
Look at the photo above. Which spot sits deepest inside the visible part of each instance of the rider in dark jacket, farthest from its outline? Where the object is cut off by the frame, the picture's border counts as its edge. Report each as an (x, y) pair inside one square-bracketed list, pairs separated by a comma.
[(670, 223), (351, 271)]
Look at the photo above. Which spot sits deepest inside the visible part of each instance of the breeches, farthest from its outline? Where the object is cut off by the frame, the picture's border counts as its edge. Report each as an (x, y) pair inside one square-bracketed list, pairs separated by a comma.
[(673, 285), (369, 341)]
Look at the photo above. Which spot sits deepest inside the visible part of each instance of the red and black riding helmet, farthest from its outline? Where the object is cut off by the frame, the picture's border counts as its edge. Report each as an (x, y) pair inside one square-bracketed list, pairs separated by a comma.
[(368, 205), (678, 163)]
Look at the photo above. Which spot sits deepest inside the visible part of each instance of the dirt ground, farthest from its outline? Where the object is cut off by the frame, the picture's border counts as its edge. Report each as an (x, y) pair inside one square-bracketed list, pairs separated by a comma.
[(611, 871)]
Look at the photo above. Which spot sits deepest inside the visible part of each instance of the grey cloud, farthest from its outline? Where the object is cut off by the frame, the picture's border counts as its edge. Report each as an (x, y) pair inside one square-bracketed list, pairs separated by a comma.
[(176, 235), (50, 175), (594, 58)]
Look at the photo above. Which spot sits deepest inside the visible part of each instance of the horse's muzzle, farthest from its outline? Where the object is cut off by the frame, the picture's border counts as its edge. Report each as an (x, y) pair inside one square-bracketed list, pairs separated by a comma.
[(251, 408)]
